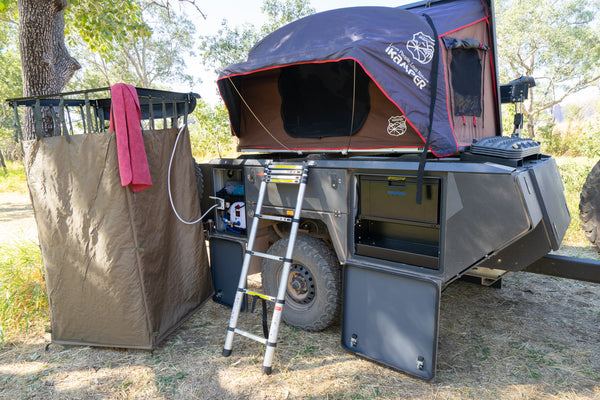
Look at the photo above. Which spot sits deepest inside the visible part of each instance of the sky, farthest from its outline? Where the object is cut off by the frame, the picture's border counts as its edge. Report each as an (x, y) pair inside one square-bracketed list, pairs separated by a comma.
[(238, 12)]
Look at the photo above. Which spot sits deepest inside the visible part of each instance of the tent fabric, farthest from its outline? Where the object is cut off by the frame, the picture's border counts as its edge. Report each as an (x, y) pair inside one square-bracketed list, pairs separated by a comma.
[(121, 270), (393, 46), (383, 116)]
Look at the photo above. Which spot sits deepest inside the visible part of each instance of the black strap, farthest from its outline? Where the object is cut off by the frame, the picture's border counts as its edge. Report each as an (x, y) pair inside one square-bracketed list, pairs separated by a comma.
[(264, 319), (433, 85), (265, 322)]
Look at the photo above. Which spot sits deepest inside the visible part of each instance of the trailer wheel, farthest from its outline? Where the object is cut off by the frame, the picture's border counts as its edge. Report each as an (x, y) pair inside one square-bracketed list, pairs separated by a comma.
[(312, 299), (589, 206)]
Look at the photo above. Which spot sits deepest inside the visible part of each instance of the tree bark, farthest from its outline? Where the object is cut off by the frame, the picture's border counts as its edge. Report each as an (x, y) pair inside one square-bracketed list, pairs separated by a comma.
[(45, 61)]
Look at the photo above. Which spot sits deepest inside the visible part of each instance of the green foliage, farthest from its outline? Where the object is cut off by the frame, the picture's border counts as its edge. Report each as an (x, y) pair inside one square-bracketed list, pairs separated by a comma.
[(574, 171), (23, 298), (10, 80), (150, 58), (228, 46), (13, 179), (8, 10), (572, 138), (231, 45), (556, 42), (281, 13), (102, 23), (210, 134)]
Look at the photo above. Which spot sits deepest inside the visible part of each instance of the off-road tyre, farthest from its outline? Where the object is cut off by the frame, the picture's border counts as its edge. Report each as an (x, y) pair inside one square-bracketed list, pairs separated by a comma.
[(199, 179), (314, 302), (589, 206)]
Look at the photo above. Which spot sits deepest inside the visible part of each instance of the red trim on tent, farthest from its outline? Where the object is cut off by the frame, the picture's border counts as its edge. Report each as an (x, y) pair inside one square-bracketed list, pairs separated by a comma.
[(465, 26), (448, 106), (336, 148)]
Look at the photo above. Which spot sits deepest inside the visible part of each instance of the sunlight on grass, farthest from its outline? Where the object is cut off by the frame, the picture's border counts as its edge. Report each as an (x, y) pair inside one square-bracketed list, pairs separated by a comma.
[(574, 171), (23, 298), (13, 179)]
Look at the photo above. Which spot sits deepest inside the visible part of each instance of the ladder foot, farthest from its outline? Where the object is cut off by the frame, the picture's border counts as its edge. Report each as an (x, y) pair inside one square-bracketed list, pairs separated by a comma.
[(226, 353), (267, 370)]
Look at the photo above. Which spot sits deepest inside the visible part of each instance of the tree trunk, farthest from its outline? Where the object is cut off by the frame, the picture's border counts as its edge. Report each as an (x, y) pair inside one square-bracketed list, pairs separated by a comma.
[(45, 61)]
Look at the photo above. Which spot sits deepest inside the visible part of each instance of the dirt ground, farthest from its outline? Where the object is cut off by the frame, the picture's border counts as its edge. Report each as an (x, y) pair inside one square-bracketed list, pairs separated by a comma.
[(16, 218), (535, 338)]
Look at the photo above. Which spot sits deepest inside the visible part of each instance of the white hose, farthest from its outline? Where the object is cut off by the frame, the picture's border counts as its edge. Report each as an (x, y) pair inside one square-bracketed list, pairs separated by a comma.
[(169, 185)]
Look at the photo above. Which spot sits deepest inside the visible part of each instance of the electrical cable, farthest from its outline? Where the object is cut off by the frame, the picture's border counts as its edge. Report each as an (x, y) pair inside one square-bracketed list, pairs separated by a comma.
[(169, 185), (255, 116)]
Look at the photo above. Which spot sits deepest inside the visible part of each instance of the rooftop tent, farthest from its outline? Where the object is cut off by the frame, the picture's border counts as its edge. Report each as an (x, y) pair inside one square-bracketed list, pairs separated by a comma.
[(361, 79)]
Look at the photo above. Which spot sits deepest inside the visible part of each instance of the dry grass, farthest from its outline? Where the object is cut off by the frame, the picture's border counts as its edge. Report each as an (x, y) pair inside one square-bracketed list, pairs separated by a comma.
[(536, 338), (12, 180)]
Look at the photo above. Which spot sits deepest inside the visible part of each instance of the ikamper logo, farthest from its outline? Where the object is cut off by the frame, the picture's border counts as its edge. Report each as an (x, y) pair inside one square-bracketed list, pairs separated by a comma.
[(421, 48)]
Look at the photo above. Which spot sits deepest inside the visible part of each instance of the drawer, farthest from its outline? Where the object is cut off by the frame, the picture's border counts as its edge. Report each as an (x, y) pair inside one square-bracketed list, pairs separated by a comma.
[(394, 198)]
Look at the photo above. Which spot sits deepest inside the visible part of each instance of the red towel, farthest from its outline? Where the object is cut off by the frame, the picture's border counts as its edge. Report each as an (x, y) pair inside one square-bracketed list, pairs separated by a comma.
[(125, 117)]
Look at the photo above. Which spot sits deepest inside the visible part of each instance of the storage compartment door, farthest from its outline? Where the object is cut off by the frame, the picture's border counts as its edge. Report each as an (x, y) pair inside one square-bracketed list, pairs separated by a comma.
[(391, 318), (226, 258)]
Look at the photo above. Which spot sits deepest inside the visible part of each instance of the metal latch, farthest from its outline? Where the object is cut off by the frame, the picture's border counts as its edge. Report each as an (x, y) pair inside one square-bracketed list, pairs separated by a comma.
[(354, 340), (420, 363), (335, 181)]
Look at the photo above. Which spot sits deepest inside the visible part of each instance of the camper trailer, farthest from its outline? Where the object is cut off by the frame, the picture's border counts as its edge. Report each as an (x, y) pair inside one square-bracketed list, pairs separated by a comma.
[(374, 173), (411, 185)]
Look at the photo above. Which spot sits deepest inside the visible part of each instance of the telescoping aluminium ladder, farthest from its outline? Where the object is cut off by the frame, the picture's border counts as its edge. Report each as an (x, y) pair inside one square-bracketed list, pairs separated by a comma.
[(296, 174)]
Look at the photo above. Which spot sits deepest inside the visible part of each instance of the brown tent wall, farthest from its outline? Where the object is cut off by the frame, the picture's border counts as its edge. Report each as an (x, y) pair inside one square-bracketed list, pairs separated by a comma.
[(471, 128), (121, 270), (262, 126)]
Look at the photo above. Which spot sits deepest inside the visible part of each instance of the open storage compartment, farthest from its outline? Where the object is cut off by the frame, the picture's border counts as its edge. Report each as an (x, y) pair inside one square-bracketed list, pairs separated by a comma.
[(228, 184), (390, 225)]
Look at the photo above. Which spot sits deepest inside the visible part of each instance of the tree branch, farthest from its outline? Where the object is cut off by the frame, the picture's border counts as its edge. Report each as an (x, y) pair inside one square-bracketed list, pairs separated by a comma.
[(8, 21), (193, 3)]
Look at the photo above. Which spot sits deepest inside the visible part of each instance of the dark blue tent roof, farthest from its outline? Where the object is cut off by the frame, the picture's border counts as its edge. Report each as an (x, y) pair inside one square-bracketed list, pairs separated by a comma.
[(394, 46)]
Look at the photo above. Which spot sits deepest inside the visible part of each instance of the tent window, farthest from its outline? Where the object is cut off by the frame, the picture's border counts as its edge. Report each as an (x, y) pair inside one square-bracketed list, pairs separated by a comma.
[(317, 99), (466, 72)]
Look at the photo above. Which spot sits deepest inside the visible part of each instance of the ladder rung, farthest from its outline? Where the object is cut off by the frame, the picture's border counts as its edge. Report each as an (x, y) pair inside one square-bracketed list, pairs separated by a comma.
[(274, 217), (261, 295), (251, 336), (265, 255), (286, 166), (285, 172), (283, 179)]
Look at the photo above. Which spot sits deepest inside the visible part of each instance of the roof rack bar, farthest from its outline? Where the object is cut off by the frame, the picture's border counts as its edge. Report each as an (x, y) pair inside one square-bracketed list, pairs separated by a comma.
[(61, 116), (174, 117), (88, 113), (46, 96), (17, 124), (55, 126), (37, 119), (186, 110), (70, 121), (164, 110), (151, 109), (83, 119)]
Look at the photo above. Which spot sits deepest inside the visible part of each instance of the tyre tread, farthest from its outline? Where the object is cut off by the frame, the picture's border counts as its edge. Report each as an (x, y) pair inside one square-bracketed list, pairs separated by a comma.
[(589, 206), (326, 264)]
